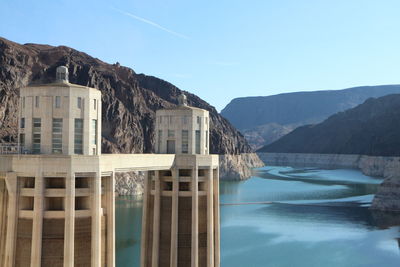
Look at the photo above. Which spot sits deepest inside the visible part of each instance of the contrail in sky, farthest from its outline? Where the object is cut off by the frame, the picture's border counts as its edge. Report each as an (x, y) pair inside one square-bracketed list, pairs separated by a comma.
[(150, 23)]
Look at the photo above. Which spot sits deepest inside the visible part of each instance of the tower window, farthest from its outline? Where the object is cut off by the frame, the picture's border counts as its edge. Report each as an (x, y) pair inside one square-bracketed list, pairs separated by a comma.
[(206, 139), (57, 136), (36, 135), (22, 123), (185, 141), (36, 101), (22, 140), (197, 142), (58, 101), (23, 102), (78, 138), (94, 132), (159, 140), (94, 103), (171, 133), (79, 104)]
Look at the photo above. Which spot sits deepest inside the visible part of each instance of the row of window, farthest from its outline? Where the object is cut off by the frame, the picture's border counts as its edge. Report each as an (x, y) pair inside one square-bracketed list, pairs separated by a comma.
[(57, 125), (185, 141), (170, 119), (57, 102)]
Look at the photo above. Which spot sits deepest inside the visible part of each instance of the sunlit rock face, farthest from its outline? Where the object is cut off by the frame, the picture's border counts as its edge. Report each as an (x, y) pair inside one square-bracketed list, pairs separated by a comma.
[(129, 183)]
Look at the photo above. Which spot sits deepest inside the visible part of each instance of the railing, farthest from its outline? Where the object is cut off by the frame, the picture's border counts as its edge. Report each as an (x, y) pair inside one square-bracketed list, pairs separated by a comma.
[(12, 148)]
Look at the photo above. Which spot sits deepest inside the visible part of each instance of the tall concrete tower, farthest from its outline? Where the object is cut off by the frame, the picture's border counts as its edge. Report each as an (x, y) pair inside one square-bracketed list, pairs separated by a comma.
[(59, 202), (60, 118), (181, 205)]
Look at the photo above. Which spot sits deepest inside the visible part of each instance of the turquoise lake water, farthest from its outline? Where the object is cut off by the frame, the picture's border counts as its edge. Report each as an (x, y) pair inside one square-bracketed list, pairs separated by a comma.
[(317, 218)]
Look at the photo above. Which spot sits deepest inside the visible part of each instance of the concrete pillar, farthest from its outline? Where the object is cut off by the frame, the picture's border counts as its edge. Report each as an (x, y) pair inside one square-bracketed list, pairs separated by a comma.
[(174, 218), (96, 220), (111, 221), (216, 220), (210, 218), (3, 219), (156, 221), (37, 228), (146, 195), (195, 217), (12, 218), (69, 227)]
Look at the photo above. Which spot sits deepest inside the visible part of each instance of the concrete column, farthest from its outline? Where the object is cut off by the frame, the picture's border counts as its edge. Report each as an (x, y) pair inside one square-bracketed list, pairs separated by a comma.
[(37, 228), (69, 227), (195, 217), (111, 221), (96, 220), (146, 193), (216, 220), (12, 218), (174, 218), (3, 219), (210, 218), (156, 221)]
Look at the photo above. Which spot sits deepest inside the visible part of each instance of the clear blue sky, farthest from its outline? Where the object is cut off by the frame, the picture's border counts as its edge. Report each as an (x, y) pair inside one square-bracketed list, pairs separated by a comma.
[(223, 49)]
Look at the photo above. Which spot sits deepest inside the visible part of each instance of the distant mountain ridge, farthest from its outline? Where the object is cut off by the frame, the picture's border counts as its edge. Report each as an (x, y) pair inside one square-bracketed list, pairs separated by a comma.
[(371, 128), (265, 119)]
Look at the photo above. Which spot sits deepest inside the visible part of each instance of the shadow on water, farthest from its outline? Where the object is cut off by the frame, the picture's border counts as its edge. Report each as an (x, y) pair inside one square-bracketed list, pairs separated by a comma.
[(128, 230), (332, 212)]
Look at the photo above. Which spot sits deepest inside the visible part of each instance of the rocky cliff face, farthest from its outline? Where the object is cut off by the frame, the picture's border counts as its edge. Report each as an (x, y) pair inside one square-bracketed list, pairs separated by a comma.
[(129, 99), (388, 196), (234, 167), (129, 183)]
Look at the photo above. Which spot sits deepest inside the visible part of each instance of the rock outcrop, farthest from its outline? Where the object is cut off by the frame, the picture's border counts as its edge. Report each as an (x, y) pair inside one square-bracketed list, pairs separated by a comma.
[(235, 167), (388, 196), (129, 99), (129, 183)]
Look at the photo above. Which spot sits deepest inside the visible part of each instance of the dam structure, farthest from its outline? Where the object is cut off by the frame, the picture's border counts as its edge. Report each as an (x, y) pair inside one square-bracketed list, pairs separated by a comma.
[(57, 190)]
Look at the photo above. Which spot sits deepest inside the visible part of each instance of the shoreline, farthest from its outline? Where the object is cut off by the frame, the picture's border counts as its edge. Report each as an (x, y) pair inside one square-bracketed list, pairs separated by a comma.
[(387, 197)]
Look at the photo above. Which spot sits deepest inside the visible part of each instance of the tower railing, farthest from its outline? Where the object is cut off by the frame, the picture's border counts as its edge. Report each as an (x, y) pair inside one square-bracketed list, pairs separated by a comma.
[(12, 148)]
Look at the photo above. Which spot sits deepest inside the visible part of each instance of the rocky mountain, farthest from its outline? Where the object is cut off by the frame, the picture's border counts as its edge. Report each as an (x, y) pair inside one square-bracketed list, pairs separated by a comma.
[(129, 101), (371, 128), (265, 119)]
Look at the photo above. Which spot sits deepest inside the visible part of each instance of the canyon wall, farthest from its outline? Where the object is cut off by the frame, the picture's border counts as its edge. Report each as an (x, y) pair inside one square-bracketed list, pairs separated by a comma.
[(238, 167), (129, 183)]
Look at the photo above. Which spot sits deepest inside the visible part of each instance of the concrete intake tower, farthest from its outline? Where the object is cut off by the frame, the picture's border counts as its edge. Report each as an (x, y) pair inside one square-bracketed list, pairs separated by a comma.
[(57, 190)]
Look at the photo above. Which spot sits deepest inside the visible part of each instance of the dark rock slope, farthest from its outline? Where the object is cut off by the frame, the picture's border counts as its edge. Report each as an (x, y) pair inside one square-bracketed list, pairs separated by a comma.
[(371, 128), (265, 119), (129, 99)]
